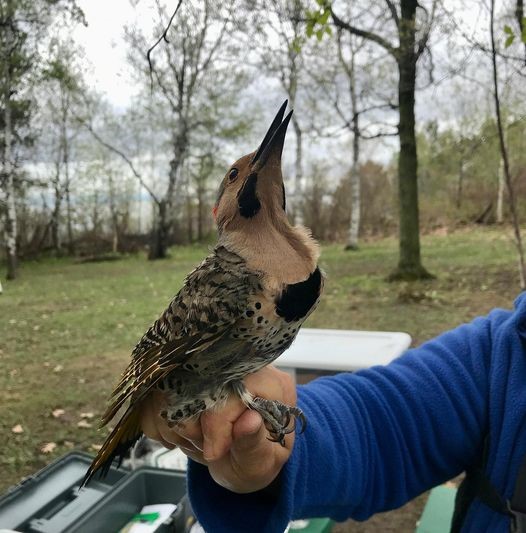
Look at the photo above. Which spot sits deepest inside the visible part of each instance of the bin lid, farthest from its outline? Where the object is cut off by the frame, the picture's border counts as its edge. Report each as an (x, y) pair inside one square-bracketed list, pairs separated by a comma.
[(343, 350), (49, 501)]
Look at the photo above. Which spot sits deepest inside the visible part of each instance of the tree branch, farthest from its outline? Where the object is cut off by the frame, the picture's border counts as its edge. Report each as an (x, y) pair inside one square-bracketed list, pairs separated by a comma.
[(375, 38), (422, 42), (379, 134), (162, 37), (394, 13), (122, 155)]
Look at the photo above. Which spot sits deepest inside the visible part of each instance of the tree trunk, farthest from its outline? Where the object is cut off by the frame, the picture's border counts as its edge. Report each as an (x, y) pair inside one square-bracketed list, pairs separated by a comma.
[(10, 221), (200, 213), (298, 175), (114, 216), (354, 227), (500, 195), (159, 240), (460, 184), (163, 224), (71, 244), (189, 215), (65, 162), (409, 264), (504, 156), (55, 215), (519, 14)]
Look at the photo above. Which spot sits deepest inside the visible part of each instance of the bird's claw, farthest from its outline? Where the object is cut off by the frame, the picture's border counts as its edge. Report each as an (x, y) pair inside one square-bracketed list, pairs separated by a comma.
[(277, 417)]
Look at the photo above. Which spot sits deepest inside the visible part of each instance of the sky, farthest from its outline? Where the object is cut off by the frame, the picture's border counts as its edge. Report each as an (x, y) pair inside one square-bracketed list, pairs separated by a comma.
[(103, 42), (105, 49)]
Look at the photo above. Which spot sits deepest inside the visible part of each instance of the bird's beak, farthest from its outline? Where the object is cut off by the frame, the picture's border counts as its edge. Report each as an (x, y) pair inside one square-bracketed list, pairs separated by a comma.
[(271, 147)]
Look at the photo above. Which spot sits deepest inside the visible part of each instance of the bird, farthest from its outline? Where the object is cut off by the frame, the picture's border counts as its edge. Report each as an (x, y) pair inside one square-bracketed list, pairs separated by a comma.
[(238, 311)]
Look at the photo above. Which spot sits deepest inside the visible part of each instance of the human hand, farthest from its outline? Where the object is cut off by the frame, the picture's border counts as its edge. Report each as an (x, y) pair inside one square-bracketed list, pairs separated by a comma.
[(232, 441)]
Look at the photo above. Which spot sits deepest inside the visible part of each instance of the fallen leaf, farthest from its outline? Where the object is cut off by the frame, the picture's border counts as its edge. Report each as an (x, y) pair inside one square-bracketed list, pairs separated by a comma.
[(48, 447), (88, 414), (58, 368), (36, 328), (96, 447), (68, 444), (81, 381), (84, 424), (57, 413), (17, 429)]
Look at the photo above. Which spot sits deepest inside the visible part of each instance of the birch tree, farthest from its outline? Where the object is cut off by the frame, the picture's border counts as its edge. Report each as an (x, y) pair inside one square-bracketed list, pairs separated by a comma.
[(192, 86), (22, 26), (14, 67), (279, 43), (62, 93), (402, 32)]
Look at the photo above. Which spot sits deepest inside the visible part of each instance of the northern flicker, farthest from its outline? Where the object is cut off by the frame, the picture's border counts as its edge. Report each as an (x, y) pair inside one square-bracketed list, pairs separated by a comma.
[(236, 312)]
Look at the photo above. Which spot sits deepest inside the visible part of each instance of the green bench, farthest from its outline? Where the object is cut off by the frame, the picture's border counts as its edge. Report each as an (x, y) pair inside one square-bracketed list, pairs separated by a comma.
[(438, 511), (312, 525), (436, 517)]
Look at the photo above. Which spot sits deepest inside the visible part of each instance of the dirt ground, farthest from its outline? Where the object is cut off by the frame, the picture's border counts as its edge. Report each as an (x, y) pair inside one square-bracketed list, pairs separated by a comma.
[(401, 520)]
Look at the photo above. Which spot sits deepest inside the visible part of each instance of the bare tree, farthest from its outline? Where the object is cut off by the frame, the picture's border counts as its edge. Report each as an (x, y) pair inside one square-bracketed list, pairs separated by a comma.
[(345, 76), (413, 34), (61, 93), (188, 84), (349, 67), (504, 152), (22, 26), (280, 45)]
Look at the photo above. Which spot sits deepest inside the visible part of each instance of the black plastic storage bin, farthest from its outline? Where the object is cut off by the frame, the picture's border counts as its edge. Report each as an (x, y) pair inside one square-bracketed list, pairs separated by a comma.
[(144, 486), (49, 501)]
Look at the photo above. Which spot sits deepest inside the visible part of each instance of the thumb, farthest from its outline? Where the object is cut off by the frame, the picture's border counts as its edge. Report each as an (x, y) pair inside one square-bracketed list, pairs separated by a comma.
[(249, 437)]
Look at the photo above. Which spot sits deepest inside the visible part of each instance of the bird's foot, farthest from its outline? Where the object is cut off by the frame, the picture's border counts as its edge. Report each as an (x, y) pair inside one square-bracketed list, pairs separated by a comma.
[(277, 417)]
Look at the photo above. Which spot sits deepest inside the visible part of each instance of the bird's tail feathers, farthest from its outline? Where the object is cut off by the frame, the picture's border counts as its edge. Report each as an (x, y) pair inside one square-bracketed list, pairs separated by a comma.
[(125, 434)]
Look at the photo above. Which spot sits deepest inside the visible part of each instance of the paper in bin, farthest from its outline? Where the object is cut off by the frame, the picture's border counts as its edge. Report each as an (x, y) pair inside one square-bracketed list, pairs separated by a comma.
[(149, 524)]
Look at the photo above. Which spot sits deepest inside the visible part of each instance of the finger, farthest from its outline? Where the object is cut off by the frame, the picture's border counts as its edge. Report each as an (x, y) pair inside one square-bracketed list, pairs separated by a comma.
[(217, 429), (253, 458), (174, 437), (193, 454), (148, 420), (247, 433), (189, 430)]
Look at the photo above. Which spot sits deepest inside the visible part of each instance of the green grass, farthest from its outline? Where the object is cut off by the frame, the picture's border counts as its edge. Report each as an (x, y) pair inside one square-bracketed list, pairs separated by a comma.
[(67, 328)]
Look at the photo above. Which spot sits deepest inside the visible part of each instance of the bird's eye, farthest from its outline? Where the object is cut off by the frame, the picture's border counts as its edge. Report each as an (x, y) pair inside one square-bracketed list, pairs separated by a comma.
[(232, 175)]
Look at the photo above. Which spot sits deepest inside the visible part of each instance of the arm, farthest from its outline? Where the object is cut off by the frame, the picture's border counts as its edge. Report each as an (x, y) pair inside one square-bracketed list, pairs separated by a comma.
[(374, 440)]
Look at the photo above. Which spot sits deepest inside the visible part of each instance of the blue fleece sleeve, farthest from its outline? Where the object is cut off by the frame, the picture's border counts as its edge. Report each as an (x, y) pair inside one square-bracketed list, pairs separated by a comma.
[(374, 439)]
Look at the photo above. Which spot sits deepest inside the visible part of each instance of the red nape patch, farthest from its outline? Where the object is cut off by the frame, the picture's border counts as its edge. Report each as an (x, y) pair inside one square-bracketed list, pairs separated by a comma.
[(214, 211)]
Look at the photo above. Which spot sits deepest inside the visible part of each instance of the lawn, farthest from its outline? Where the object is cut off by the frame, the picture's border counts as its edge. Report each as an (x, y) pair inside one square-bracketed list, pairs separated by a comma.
[(67, 328)]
